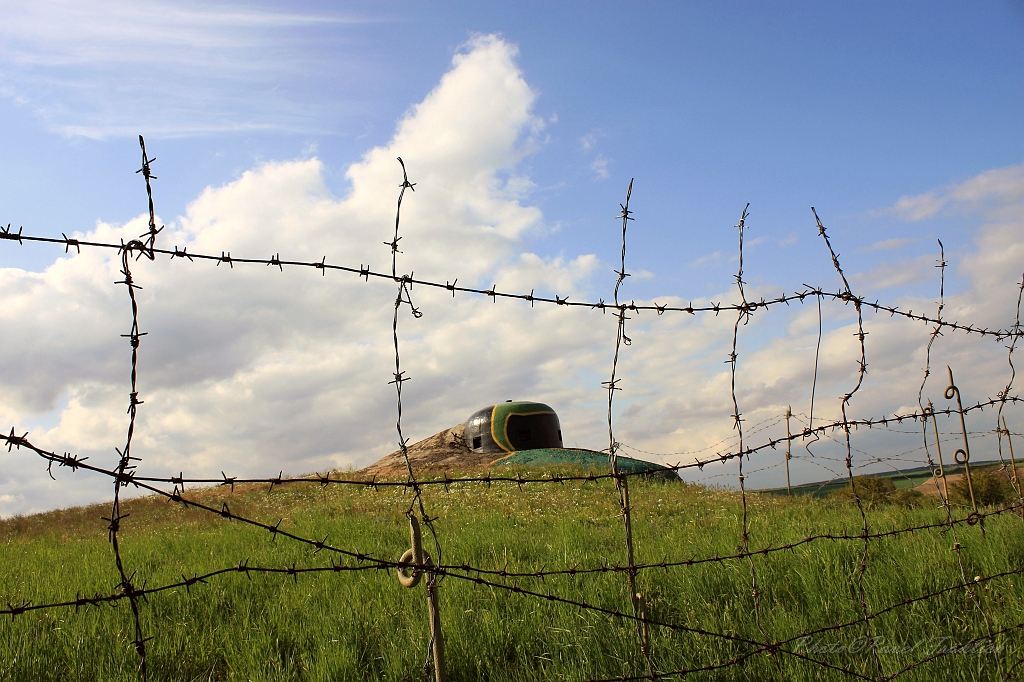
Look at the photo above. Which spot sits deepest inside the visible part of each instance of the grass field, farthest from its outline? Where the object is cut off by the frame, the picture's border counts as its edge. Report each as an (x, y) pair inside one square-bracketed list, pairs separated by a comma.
[(358, 626)]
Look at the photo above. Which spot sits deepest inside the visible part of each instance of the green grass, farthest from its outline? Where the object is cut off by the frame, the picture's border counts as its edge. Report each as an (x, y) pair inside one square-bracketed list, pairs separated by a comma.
[(358, 626)]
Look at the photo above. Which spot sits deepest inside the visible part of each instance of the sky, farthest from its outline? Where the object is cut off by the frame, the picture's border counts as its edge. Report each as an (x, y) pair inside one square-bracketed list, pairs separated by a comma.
[(276, 126)]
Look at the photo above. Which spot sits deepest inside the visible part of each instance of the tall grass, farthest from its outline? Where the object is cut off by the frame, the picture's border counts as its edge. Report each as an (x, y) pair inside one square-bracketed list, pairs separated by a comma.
[(357, 626)]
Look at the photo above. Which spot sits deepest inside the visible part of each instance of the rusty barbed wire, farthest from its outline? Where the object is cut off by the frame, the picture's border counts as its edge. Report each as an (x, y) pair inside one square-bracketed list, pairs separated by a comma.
[(370, 562), (936, 332), (939, 474), (125, 466), (1009, 385), (81, 600), (225, 512), (435, 647), (147, 174), (756, 428), (374, 563), (275, 529), (366, 273), (636, 598), (900, 456), (743, 316), (962, 456), (125, 473), (815, 437), (862, 369), (74, 462), (125, 469)]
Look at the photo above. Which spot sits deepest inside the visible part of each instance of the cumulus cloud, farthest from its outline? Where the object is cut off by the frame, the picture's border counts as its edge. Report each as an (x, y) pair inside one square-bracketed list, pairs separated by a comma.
[(997, 187), (683, 403), (258, 373), (253, 370)]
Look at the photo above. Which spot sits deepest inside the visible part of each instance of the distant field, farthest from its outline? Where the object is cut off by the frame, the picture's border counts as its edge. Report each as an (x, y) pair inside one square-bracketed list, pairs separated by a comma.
[(904, 478), (359, 626)]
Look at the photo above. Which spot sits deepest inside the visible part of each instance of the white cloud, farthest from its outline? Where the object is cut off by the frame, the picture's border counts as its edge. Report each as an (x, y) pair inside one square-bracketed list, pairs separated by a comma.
[(679, 389), (257, 371), (253, 370), (714, 257), (1000, 186), (599, 166), (589, 141), (891, 244), (888, 275)]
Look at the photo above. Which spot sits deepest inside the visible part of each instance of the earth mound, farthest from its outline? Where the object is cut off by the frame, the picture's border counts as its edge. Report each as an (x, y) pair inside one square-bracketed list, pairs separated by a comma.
[(442, 452), (447, 452)]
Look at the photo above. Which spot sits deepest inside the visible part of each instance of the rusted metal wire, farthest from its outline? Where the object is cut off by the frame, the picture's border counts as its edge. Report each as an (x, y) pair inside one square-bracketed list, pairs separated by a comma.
[(435, 649), (366, 273), (862, 368), (1000, 419), (126, 464), (939, 473), (74, 462), (743, 316), (622, 482), (414, 564), (962, 456), (224, 512), (147, 174)]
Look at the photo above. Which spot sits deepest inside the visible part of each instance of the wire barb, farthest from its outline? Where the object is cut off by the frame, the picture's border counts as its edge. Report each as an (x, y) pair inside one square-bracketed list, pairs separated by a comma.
[(416, 564)]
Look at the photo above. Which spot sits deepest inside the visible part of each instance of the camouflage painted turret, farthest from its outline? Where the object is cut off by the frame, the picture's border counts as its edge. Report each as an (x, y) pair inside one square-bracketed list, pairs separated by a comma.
[(513, 426)]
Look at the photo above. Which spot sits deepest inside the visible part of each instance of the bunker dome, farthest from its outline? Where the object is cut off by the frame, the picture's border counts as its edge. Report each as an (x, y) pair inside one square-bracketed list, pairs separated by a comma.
[(513, 426)]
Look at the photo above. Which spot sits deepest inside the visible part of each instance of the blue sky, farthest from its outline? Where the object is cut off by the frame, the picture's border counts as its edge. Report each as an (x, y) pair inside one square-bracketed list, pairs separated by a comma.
[(275, 128), (847, 106)]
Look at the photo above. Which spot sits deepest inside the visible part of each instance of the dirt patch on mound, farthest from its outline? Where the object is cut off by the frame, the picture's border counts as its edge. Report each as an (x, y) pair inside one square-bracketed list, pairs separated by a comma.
[(442, 452)]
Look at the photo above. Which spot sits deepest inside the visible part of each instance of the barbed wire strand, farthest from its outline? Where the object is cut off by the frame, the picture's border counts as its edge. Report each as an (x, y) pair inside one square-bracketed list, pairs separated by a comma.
[(366, 272), (1013, 464), (939, 474), (435, 647), (74, 462), (953, 391), (814, 384), (125, 464), (124, 473), (224, 511), (367, 561), (1006, 391), (147, 174), (636, 598), (862, 368), (756, 428), (936, 332), (275, 530), (743, 316)]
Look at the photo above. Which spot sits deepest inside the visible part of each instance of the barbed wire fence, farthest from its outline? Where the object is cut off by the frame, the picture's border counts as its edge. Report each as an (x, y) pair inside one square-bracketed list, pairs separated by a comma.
[(415, 563)]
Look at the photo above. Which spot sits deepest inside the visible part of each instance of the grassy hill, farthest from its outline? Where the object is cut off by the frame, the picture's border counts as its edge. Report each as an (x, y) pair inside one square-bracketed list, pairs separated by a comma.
[(902, 478), (363, 625)]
